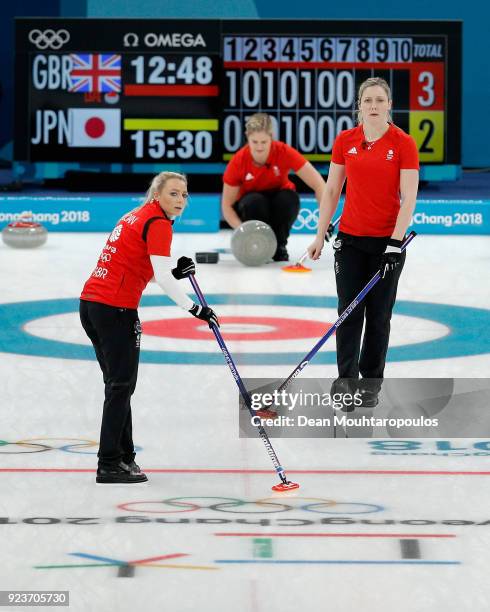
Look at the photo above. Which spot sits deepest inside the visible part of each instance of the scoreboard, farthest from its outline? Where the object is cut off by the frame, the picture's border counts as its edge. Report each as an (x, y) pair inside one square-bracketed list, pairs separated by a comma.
[(178, 92)]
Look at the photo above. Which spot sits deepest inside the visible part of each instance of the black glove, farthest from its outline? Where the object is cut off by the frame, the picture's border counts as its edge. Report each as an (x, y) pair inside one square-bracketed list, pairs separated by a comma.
[(185, 267), (391, 258), (205, 314), (329, 232)]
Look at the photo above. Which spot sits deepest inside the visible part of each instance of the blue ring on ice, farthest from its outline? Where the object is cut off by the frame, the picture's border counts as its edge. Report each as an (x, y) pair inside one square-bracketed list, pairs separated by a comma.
[(469, 331)]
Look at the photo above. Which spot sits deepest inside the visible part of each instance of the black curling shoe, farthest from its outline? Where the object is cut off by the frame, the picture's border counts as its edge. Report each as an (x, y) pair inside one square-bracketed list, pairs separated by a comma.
[(344, 387), (281, 254), (119, 475), (131, 467), (369, 398)]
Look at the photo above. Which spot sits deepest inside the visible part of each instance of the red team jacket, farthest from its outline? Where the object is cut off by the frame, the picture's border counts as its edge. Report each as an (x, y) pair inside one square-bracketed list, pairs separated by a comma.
[(242, 172), (372, 200), (124, 267)]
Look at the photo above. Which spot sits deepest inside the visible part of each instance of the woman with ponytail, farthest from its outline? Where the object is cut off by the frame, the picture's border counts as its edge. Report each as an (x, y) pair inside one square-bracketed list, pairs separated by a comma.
[(137, 250)]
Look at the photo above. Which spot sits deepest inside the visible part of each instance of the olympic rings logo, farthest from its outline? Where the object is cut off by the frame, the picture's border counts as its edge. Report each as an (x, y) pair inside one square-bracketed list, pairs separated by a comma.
[(38, 445), (231, 505), (49, 39), (307, 219)]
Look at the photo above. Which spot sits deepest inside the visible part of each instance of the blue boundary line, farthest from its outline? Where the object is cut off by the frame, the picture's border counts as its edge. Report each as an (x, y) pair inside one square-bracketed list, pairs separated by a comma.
[(98, 558)]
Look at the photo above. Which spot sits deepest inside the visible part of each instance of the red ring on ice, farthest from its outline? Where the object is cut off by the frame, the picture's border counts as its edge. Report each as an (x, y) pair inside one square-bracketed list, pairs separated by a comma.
[(280, 328)]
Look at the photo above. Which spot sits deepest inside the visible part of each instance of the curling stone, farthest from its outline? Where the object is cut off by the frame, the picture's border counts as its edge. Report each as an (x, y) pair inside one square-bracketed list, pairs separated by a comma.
[(24, 235), (253, 243)]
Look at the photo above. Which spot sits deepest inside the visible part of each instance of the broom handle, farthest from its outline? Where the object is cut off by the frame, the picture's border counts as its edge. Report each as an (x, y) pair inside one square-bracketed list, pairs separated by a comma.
[(305, 254)]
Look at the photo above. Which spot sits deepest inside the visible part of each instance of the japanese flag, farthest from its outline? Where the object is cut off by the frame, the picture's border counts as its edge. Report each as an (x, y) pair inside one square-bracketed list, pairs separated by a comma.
[(95, 127)]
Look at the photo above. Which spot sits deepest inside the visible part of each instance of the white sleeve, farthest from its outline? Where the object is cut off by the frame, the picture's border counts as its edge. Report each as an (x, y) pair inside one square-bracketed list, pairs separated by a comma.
[(162, 267)]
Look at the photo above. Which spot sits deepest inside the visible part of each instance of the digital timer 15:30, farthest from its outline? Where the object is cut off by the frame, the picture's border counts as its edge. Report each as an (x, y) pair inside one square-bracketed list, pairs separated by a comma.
[(182, 145)]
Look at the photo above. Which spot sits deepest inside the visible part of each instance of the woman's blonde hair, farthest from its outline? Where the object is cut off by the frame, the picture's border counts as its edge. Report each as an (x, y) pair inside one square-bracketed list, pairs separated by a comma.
[(372, 82), (158, 183), (259, 122)]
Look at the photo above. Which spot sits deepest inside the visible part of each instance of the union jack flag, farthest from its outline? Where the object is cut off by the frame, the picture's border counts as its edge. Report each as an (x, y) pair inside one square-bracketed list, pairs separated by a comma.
[(95, 73)]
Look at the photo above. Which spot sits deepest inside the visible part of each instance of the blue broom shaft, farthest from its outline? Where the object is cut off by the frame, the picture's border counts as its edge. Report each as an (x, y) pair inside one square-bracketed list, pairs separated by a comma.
[(359, 297), (246, 396)]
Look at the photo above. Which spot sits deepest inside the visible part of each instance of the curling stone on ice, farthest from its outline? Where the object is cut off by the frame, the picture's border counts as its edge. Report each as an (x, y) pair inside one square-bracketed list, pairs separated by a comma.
[(253, 243), (24, 234)]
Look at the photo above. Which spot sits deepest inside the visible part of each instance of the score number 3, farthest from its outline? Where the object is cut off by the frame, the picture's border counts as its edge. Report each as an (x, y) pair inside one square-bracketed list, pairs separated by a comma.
[(426, 79)]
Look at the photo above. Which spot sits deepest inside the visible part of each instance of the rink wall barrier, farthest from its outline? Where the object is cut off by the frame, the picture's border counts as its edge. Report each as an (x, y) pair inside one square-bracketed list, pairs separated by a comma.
[(99, 213)]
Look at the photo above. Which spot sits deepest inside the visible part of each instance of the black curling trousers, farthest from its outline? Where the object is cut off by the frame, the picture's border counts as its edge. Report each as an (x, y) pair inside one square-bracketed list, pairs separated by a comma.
[(357, 260), (115, 334), (278, 209)]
